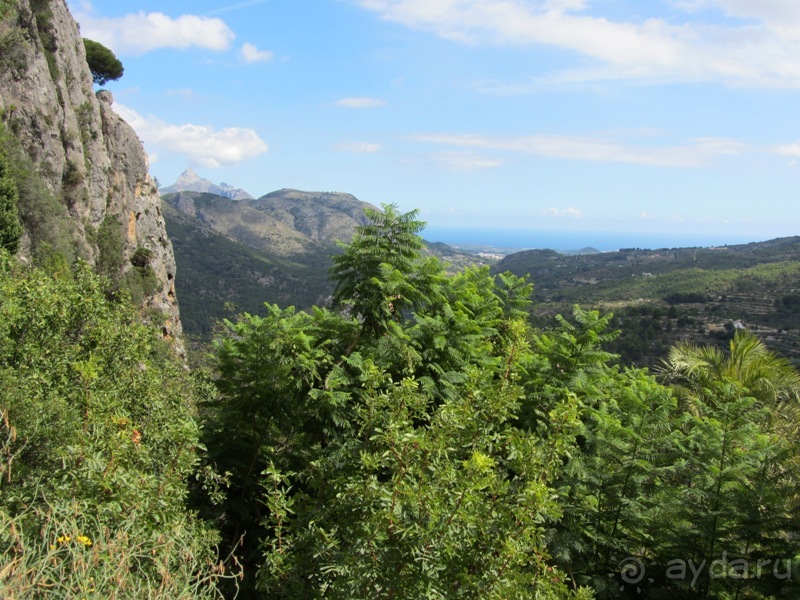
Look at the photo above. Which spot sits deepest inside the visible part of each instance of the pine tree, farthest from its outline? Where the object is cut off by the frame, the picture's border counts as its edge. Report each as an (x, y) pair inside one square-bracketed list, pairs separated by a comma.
[(103, 64)]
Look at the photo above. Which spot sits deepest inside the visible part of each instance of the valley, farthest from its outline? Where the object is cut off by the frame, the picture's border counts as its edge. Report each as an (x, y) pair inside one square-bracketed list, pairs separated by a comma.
[(235, 255)]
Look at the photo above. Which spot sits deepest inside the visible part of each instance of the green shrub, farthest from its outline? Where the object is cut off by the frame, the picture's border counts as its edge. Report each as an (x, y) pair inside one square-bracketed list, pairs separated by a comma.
[(13, 50), (98, 440), (110, 247), (43, 217), (72, 176), (142, 257), (85, 116), (7, 8), (10, 228)]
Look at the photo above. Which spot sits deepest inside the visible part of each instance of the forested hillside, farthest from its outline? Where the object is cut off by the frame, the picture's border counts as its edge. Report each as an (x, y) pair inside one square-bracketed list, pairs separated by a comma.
[(660, 297), (215, 271)]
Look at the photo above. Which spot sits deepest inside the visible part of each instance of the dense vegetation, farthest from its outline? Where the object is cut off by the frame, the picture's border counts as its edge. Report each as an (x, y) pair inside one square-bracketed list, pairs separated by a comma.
[(10, 227), (98, 439), (28, 203), (418, 440)]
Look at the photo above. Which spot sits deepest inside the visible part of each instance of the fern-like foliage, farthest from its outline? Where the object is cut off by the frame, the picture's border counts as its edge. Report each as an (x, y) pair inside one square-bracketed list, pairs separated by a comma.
[(380, 274)]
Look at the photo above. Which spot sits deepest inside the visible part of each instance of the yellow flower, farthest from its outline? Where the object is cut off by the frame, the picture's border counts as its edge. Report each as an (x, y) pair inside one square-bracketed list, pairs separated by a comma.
[(64, 539), (85, 540)]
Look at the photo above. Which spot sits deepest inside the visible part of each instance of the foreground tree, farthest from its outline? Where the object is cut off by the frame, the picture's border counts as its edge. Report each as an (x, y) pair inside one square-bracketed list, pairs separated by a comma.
[(701, 472), (424, 442), (380, 275), (738, 426), (379, 454), (768, 377)]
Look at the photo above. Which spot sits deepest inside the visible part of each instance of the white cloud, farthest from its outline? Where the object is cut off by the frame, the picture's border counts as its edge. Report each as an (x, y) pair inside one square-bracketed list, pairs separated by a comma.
[(595, 149), (792, 150), (646, 215), (774, 13), (361, 102), (359, 147), (571, 213), (144, 32), (763, 53), (251, 54), (466, 161), (562, 5), (237, 6), (201, 144)]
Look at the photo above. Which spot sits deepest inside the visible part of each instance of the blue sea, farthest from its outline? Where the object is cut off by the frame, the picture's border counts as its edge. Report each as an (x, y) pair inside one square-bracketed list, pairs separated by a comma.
[(568, 241)]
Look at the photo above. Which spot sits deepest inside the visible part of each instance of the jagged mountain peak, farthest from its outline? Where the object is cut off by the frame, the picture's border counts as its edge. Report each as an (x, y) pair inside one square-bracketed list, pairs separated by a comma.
[(190, 181), (189, 177)]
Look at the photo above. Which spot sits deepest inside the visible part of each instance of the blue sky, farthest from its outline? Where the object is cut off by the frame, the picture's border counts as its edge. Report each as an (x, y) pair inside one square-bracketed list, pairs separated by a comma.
[(662, 116)]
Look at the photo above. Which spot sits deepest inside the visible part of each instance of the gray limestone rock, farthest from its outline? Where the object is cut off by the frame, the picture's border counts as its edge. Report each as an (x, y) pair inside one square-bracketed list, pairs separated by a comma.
[(84, 152)]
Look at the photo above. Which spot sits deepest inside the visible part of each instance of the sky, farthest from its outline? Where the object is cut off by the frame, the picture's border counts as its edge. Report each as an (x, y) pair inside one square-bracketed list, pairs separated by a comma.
[(662, 117)]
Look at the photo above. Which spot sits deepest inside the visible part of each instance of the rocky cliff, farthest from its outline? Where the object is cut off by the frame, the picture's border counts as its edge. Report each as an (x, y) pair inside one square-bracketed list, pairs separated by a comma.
[(85, 155)]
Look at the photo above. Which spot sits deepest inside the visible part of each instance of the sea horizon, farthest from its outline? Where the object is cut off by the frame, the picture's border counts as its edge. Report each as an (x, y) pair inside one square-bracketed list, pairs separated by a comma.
[(571, 241)]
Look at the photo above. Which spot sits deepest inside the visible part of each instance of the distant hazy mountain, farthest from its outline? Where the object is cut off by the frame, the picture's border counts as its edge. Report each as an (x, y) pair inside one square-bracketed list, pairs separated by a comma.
[(244, 222), (321, 216), (189, 181), (283, 223), (587, 250)]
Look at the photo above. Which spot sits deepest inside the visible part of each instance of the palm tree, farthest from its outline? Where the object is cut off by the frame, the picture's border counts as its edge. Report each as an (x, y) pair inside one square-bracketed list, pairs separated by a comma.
[(745, 420), (766, 376)]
